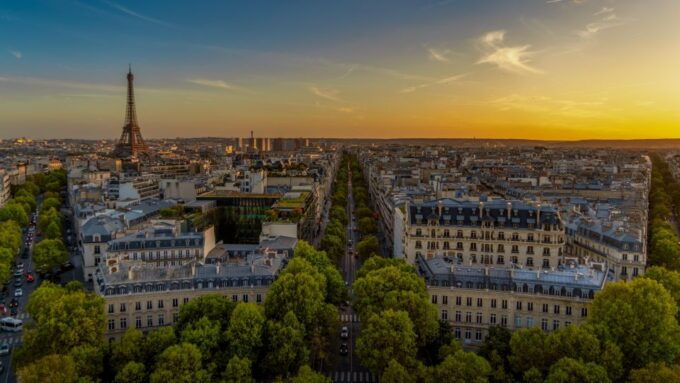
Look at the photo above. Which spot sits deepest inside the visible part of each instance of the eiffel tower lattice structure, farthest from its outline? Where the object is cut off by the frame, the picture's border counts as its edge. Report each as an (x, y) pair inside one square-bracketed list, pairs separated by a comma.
[(131, 143)]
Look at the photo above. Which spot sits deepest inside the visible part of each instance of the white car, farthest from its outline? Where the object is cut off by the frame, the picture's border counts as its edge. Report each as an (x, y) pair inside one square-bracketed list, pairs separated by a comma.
[(4, 349), (344, 333), (18, 293)]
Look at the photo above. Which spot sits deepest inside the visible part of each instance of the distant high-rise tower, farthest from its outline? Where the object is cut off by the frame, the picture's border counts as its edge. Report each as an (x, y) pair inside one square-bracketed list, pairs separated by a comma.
[(131, 142)]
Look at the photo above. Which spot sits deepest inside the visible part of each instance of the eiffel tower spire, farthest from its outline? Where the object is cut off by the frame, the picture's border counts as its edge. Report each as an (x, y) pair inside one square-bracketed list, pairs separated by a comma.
[(131, 142)]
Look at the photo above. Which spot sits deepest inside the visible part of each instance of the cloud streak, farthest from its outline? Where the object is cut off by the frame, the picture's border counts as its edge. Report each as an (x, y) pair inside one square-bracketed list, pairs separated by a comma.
[(438, 55), (328, 94), (442, 81), (609, 20), (219, 84), (137, 15), (508, 58), (17, 54)]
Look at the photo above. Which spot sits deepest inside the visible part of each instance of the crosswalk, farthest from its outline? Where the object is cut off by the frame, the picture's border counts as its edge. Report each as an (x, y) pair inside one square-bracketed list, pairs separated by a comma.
[(22, 316), (11, 340), (349, 318), (352, 376)]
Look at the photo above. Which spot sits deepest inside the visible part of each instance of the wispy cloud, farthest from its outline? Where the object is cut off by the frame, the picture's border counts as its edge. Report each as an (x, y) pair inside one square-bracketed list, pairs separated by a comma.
[(17, 54), (440, 55), (441, 81), (609, 20), (219, 84), (328, 94), (137, 15), (603, 11), (509, 58), (49, 83)]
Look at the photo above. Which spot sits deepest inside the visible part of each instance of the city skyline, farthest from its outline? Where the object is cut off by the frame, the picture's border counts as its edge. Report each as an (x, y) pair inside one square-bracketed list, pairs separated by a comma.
[(544, 70)]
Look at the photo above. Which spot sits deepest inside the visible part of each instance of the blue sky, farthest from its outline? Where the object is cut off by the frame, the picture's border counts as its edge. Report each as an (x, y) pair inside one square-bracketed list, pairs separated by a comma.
[(338, 68)]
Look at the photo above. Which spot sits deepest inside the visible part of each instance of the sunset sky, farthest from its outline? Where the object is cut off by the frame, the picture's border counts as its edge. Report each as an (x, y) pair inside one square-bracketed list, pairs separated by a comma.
[(537, 69)]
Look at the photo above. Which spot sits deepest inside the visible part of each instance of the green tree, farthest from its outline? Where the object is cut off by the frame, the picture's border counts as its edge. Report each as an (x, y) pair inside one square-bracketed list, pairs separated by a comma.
[(670, 280), (26, 199), (50, 203), (386, 336), (49, 254), (89, 361), (245, 330), (576, 342), (213, 306), (367, 226), (47, 216), (335, 286), (130, 348), (528, 350), (286, 348), (639, 317), (307, 375), (53, 230), (568, 370), (180, 363), (132, 372), (463, 367), (367, 246), (61, 320), (10, 237), (396, 373), (156, 342), (363, 212), (53, 368), (206, 334), (656, 373), (15, 212), (238, 371)]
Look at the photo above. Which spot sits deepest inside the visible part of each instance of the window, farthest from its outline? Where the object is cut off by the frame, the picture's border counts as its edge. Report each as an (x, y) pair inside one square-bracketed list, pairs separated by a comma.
[(138, 306), (160, 303), (479, 302), (258, 298), (518, 321), (122, 307), (445, 299), (556, 309), (635, 271), (234, 298), (468, 317), (123, 323), (478, 335), (493, 303), (492, 319), (419, 245), (175, 302), (161, 320), (245, 298), (568, 310), (544, 308), (544, 324), (186, 300), (468, 333), (468, 301), (112, 324), (504, 320), (138, 322), (458, 316), (149, 305), (504, 304), (556, 324), (479, 318), (434, 299), (459, 301), (584, 312), (530, 262), (567, 323), (530, 249), (546, 263), (515, 249), (530, 322), (111, 308), (530, 306), (519, 305), (149, 321), (456, 332), (445, 315)]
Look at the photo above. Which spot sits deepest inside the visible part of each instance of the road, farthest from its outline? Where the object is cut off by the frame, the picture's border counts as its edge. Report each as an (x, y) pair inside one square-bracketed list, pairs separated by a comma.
[(347, 368)]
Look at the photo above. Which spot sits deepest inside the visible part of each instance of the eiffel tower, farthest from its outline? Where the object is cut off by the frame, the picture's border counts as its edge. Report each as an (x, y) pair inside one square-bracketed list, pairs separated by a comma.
[(131, 143)]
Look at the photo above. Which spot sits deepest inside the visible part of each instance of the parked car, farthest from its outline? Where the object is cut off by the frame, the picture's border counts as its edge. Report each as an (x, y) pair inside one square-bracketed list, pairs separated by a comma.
[(4, 349), (18, 273), (18, 293), (29, 277), (14, 303), (344, 350), (18, 283), (67, 266), (13, 311), (344, 332)]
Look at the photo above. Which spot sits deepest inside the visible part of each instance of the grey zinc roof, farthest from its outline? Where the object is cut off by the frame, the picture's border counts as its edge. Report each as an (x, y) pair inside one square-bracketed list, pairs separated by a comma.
[(102, 225)]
